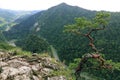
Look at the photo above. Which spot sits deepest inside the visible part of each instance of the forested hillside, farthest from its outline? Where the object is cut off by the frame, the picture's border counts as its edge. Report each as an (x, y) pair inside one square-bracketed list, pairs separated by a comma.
[(50, 24), (8, 18), (7, 14)]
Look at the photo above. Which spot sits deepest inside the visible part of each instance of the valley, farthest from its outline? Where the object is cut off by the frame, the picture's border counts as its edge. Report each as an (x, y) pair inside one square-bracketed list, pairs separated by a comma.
[(43, 32)]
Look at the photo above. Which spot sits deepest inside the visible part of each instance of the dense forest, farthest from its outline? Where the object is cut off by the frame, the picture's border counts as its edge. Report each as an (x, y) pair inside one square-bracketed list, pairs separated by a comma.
[(47, 28), (51, 23)]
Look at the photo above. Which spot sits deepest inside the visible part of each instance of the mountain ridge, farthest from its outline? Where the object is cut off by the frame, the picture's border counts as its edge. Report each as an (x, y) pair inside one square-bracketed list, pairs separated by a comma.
[(50, 24), (44, 15)]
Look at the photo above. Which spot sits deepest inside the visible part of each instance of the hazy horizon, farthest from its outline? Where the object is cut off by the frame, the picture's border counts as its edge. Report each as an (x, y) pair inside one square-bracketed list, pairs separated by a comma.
[(30, 5)]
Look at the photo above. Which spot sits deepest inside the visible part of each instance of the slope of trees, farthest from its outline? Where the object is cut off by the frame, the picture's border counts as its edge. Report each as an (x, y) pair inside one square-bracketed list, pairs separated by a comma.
[(69, 46), (93, 62), (8, 17), (34, 44), (51, 23)]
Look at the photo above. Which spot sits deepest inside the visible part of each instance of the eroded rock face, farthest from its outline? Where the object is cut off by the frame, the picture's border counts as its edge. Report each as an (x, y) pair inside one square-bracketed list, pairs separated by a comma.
[(28, 68)]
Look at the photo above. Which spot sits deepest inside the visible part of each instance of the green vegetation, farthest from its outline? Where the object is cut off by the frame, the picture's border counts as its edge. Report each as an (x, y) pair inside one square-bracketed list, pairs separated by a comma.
[(2, 22), (2, 37), (85, 28), (1, 70), (97, 74), (7, 15), (82, 24), (66, 72), (34, 44), (9, 18), (71, 46), (5, 46)]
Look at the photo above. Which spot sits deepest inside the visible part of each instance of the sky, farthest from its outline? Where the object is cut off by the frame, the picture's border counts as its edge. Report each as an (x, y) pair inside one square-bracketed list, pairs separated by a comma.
[(107, 5)]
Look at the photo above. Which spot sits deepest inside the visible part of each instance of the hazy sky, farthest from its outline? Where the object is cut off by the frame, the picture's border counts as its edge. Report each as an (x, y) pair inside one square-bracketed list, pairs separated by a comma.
[(109, 5)]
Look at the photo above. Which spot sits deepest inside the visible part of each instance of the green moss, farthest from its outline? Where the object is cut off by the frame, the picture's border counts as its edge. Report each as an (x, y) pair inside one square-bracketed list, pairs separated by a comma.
[(63, 72), (1, 70), (43, 55), (5, 46)]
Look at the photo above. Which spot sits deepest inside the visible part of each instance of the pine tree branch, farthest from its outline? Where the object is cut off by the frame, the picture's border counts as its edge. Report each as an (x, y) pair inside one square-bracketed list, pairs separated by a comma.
[(88, 35)]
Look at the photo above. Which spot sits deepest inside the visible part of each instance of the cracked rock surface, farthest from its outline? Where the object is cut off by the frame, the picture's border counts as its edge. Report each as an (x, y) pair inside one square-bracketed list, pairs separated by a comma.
[(34, 67)]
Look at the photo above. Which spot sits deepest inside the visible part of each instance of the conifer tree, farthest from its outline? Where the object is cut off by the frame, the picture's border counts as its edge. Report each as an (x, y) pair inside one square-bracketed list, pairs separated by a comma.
[(85, 27)]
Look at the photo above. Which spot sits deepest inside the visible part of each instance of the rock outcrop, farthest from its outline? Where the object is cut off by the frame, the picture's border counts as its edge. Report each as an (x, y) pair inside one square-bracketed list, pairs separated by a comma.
[(35, 67)]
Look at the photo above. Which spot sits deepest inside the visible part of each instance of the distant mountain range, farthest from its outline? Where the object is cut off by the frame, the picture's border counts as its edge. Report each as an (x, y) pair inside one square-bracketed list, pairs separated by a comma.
[(50, 24), (8, 17), (56, 17)]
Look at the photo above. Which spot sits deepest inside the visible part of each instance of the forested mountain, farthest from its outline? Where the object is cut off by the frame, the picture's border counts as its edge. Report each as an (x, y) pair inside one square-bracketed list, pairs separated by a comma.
[(50, 24), (56, 16), (9, 18), (7, 15), (10, 15)]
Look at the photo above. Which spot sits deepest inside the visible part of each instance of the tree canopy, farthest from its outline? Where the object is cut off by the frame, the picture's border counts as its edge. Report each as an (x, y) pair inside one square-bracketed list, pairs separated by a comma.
[(35, 44), (85, 27), (100, 21)]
